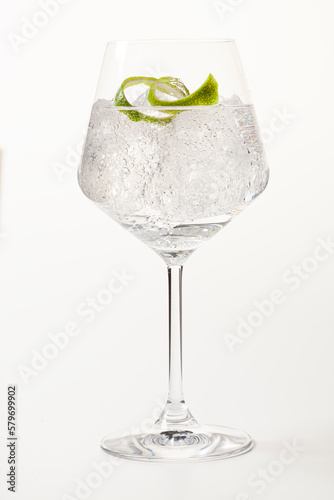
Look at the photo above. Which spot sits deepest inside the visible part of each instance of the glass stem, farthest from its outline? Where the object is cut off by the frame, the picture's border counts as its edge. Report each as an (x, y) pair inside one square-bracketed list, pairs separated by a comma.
[(176, 415), (175, 393)]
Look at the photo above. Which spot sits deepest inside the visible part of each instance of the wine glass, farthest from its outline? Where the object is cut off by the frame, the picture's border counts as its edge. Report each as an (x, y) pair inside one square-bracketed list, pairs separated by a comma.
[(172, 154)]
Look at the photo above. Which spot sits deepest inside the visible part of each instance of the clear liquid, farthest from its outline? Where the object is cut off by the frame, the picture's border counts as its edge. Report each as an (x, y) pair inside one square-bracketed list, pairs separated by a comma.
[(173, 185)]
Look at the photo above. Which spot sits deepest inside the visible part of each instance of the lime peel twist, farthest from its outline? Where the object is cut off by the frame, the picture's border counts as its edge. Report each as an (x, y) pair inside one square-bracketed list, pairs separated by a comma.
[(206, 95)]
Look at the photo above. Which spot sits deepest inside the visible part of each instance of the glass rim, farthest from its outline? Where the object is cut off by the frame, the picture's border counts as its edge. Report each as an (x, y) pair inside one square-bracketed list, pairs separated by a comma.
[(174, 40)]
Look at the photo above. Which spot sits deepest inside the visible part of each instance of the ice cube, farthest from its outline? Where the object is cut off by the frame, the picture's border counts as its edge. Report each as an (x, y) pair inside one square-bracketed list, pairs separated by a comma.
[(142, 102), (142, 99), (234, 100)]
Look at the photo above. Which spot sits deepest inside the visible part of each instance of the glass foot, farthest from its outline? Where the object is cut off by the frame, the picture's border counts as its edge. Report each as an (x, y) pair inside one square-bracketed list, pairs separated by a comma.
[(195, 443)]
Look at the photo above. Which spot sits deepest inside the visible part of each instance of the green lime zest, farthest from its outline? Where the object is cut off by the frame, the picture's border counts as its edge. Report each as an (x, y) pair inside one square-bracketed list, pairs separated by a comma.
[(206, 95), (169, 86), (121, 100)]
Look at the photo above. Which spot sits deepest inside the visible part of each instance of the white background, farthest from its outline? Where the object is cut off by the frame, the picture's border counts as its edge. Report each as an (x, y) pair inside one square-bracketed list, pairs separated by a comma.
[(57, 250)]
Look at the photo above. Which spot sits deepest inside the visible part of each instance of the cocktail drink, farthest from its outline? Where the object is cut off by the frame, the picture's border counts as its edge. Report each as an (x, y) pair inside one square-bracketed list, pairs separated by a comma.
[(173, 166)]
